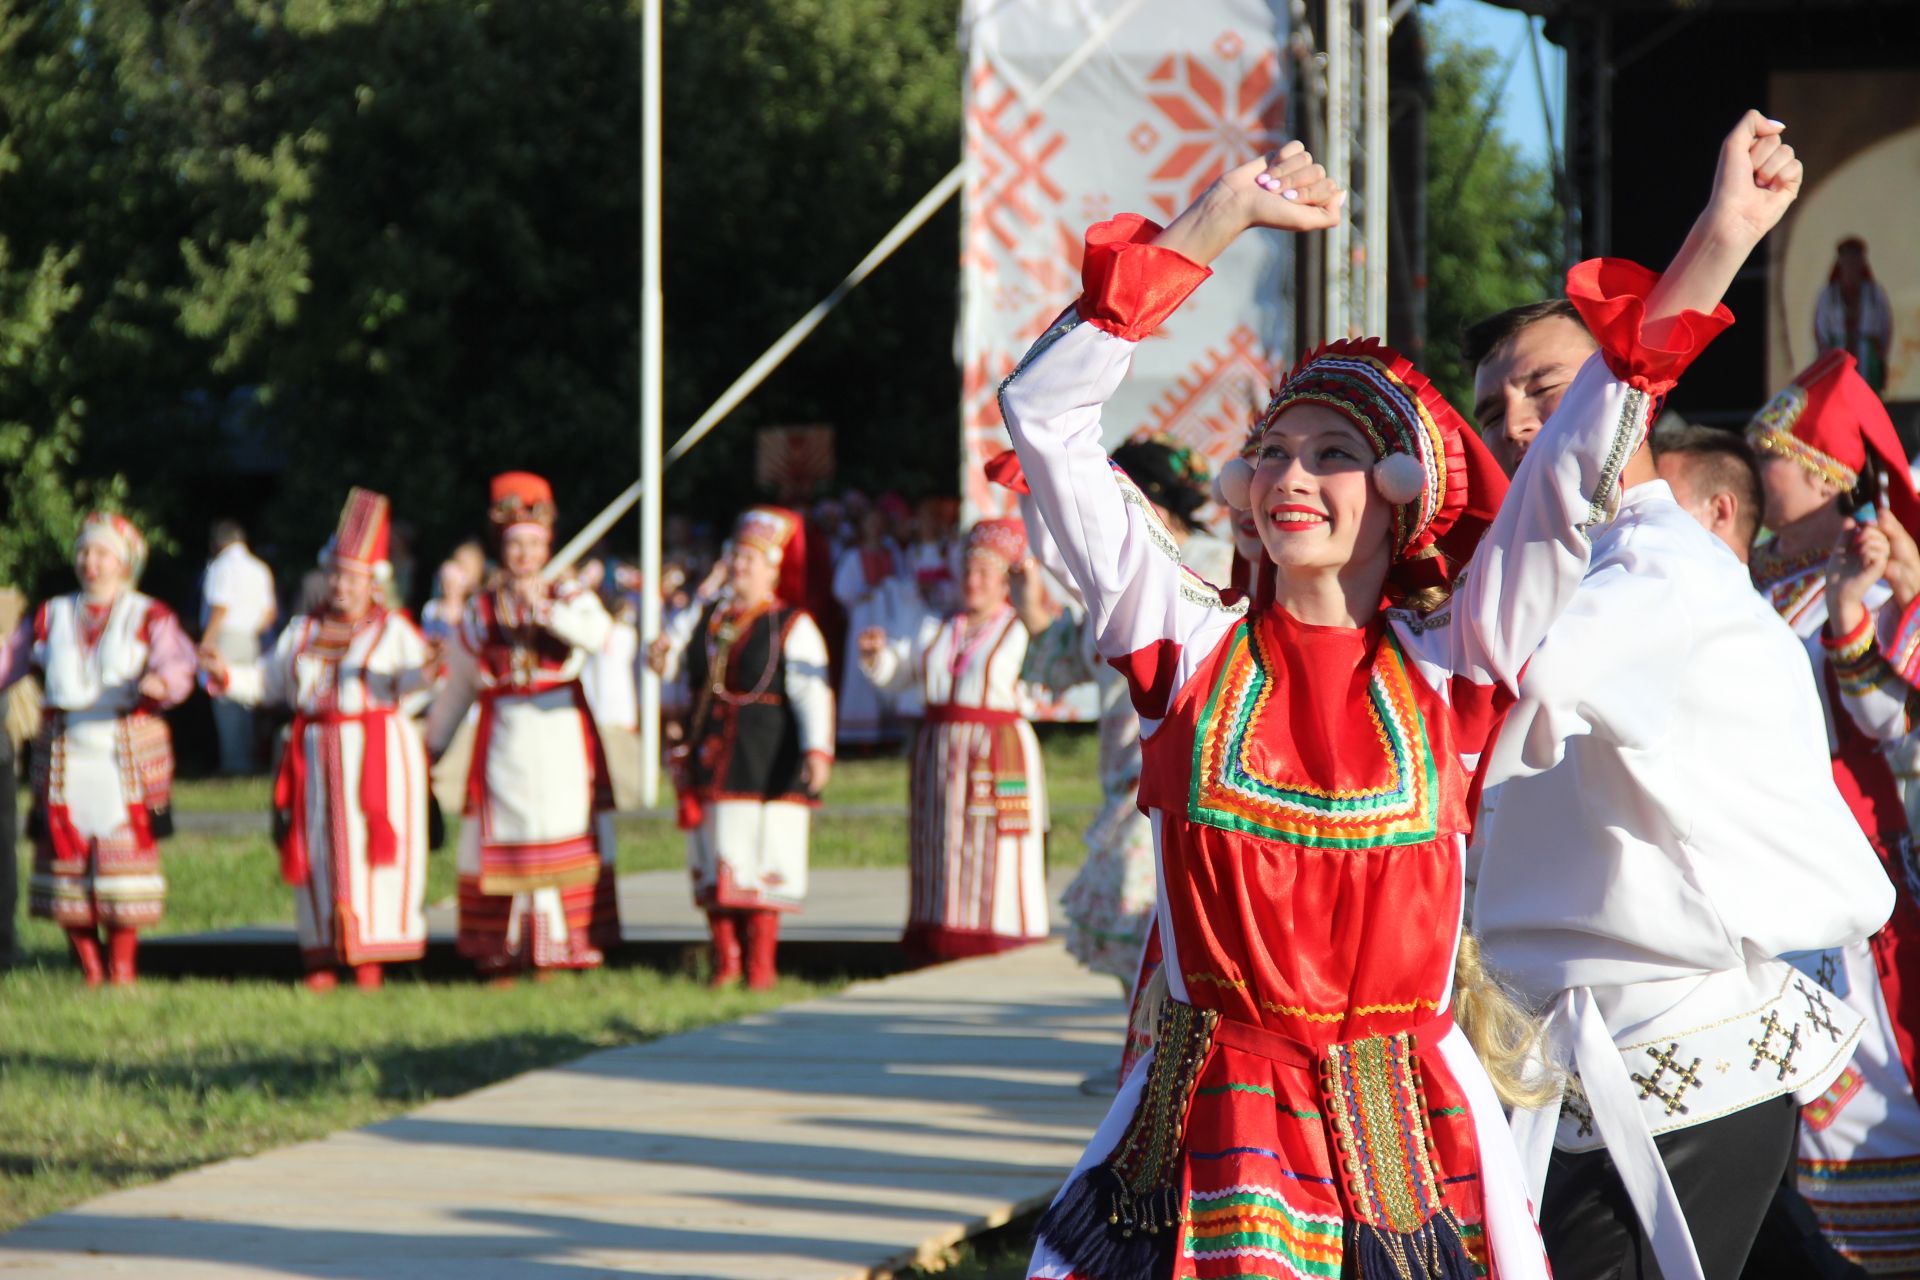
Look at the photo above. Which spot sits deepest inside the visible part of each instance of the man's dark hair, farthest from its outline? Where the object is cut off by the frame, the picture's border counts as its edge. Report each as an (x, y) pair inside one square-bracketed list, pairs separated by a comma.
[(1718, 461), (1478, 340), (225, 533)]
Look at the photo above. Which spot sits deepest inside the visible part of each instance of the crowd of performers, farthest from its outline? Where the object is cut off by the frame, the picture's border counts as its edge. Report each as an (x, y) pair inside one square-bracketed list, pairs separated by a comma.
[(373, 702), (1507, 857)]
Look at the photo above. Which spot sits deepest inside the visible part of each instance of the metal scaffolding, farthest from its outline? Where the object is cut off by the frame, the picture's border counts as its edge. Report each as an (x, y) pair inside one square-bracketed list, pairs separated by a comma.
[(1345, 103)]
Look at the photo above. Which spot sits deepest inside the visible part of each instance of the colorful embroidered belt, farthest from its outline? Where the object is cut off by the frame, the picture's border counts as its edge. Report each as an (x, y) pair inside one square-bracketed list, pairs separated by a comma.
[(1118, 1219), (947, 713)]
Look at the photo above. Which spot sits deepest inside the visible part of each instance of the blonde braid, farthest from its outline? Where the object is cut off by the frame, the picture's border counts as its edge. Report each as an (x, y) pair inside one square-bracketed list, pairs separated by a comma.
[(1502, 1033)]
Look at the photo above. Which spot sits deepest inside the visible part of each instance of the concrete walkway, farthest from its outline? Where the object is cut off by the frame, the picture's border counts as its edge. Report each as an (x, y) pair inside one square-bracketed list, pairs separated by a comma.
[(843, 1137)]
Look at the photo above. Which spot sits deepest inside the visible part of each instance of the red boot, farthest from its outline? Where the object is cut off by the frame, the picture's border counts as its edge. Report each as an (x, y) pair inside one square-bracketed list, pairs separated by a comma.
[(763, 940), (86, 950), (322, 979), (122, 943), (725, 926), (368, 977)]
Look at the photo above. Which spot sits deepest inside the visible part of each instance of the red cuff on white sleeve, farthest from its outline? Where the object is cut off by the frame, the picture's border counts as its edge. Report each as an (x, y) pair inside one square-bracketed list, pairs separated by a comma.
[(1611, 296), (1129, 285)]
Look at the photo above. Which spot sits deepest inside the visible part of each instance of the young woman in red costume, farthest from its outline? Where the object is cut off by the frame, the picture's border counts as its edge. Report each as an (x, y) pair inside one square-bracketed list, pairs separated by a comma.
[(1309, 1107)]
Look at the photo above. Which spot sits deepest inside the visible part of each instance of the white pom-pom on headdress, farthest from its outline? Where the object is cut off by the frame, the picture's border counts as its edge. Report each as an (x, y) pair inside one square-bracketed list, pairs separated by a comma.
[(1234, 485), (1400, 478)]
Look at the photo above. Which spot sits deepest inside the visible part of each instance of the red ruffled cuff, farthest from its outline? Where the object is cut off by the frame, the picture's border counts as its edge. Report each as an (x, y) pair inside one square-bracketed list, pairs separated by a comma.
[(1128, 285), (1004, 470), (1611, 296)]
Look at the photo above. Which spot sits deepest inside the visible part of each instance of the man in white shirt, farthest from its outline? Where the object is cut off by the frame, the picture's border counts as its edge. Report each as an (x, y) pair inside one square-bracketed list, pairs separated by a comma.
[(1665, 826), (237, 607)]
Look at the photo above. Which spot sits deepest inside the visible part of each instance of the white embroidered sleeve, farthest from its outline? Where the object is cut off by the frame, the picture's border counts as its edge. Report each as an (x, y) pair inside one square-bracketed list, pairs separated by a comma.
[(809, 688), (1145, 609)]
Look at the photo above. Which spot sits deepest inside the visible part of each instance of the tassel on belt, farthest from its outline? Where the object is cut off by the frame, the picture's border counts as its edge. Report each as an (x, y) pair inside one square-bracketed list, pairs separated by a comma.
[(1120, 1218)]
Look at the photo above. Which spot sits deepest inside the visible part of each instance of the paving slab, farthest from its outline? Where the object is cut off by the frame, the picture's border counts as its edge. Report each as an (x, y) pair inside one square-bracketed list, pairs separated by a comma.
[(842, 1137)]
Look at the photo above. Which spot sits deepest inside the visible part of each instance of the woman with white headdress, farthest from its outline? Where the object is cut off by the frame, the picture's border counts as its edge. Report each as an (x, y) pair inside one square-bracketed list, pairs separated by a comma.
[(110, 660)]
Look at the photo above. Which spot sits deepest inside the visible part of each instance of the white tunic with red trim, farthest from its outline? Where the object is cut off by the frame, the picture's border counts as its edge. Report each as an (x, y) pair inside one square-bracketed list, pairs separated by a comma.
[(536, 843), (352, 788), (977, 791), (104, 762)]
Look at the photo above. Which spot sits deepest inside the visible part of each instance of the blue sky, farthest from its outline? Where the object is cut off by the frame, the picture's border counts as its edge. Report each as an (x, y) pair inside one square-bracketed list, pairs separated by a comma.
[(1503, 30)]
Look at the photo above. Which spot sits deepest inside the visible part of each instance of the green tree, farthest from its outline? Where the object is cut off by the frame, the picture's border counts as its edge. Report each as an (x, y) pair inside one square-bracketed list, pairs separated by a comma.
[(1493, 229)]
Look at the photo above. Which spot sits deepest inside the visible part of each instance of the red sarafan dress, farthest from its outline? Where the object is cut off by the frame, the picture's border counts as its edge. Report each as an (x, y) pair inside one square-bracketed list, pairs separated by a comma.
[(1308, 1108)]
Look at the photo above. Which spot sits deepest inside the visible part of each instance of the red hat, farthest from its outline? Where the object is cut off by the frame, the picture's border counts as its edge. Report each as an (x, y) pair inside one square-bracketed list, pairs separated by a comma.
[(361, 540), (1004, 538), (781, 536), (1830, 422), (520, 497), (1444, 486)]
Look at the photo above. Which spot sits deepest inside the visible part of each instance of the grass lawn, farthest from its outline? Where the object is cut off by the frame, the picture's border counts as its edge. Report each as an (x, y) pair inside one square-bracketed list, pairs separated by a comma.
[(105, 1089)]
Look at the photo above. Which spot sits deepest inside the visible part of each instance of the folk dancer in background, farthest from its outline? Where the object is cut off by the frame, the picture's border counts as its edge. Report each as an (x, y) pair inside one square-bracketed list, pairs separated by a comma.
[(1853, 314), (753, 686), (1109, 904), (350, 801), (536, 844), (1660, 822), (1307, 771), (1826, 444), (977, 793), (109, 660)]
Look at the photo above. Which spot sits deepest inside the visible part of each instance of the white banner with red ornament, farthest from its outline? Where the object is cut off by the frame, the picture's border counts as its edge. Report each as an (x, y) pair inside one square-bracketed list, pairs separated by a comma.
[(1181, 92)]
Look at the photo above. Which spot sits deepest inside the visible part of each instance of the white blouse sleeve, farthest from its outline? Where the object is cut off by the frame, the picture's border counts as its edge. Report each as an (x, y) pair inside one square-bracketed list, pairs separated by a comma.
[(1154, 620), (808, 687)]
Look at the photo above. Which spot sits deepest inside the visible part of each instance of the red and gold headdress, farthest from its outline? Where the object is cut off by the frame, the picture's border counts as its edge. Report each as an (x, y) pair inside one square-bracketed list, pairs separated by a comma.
[(119, 535), (361, 540), (1005, 539), (1444, 486), (781, 536), (520, 497), (1830, 421)]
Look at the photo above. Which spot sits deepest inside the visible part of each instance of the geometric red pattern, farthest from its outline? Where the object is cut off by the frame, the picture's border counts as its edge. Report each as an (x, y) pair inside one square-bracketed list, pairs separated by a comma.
[(1216, 120)]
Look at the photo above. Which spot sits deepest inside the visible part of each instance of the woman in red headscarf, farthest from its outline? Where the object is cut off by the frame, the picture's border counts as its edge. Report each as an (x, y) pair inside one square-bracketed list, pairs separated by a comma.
[(350, 803), (110, 660), (754, 685), (536, 840), (1842, 569), (976, 793), (1306, 763)]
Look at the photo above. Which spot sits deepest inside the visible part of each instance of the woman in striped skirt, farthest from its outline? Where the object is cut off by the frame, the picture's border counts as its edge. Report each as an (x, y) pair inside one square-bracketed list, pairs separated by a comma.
[(977, 793)]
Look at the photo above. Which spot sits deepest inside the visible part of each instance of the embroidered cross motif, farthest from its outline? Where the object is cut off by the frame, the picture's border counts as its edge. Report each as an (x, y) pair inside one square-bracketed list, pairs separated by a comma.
[(1763, 1047), (1829, 969), (1817, 1012), (1684, 1078), (1576, 1106)]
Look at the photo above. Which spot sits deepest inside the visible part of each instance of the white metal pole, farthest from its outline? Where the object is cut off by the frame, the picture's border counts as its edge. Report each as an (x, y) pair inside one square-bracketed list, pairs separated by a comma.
[(1376, 28), (1338, 162), (652, 379), (770, 359)]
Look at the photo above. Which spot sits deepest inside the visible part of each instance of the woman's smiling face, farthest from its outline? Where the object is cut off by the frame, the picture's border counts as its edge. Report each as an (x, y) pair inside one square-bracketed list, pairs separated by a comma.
[(1314, 503)]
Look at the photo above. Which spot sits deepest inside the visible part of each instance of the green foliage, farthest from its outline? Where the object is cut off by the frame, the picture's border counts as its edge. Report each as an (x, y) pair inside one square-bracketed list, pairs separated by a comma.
[(1493, 230), (394, 242)]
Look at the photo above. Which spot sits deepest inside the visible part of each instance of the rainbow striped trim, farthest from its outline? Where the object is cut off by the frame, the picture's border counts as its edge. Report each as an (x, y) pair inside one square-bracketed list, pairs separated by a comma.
[(1230, 789), (1251, 1221)]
